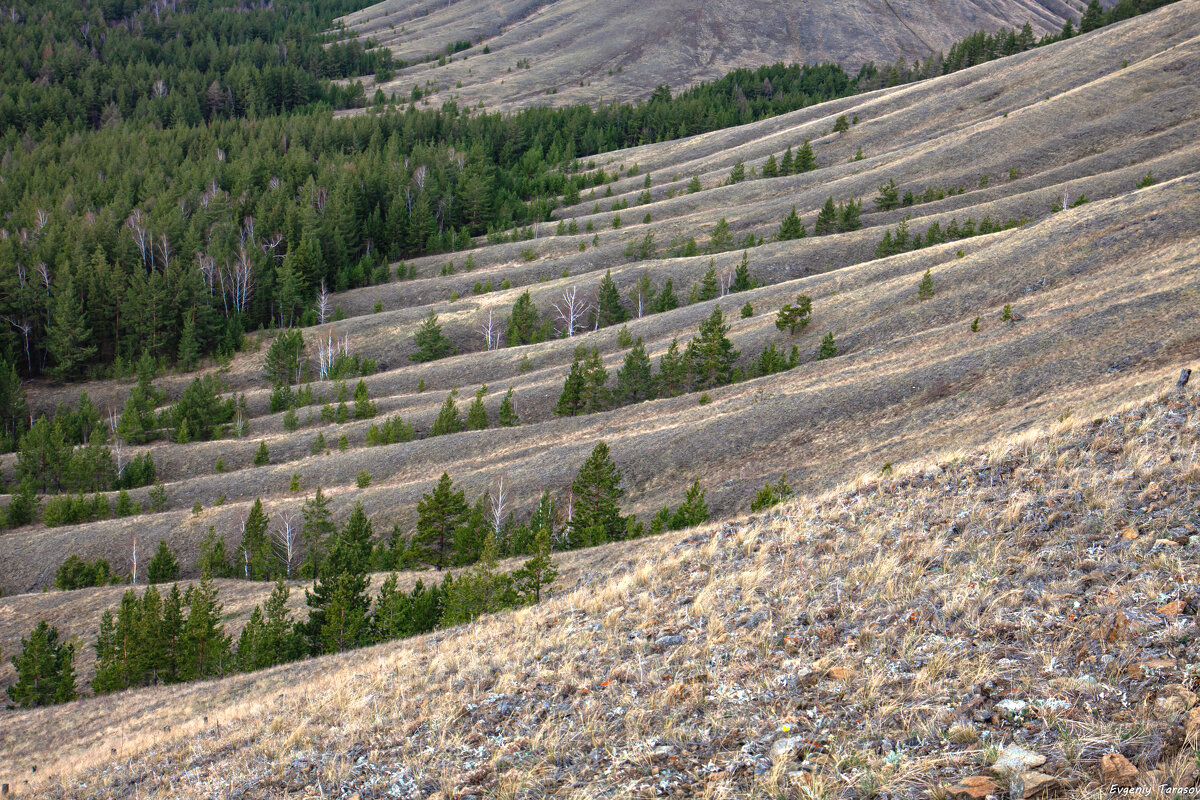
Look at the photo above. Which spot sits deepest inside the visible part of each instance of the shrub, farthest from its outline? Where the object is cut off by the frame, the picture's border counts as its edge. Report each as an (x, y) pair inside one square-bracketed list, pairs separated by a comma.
[(261, 456), (747, 311), (76, 573), (771, 495), (363, 479)]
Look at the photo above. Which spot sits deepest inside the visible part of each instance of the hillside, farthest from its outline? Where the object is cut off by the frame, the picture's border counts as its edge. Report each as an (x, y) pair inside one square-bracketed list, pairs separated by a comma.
[(622, 50), (1102, 290), (900, 635)]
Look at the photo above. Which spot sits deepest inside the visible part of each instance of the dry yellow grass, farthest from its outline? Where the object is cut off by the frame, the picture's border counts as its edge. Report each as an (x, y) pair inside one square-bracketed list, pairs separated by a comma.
[(1105, 290), (896, 631)]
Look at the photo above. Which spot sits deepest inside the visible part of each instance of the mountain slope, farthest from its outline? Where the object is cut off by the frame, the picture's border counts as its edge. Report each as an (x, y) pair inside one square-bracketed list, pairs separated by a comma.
[(622, 50), (888, 637)]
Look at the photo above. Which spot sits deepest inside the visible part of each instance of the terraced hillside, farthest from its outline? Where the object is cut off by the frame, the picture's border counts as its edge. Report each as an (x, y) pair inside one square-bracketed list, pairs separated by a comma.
[(1015, 621), (622, 50), (1102, 291)]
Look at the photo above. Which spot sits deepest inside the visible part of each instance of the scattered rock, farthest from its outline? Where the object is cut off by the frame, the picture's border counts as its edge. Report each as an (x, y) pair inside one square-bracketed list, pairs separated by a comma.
[(840, 674), (1030, 784), (673, 640), (1140, 669), (789, 749), (1175, 699), (1172, 609), (975, 787), (1014, 759), (1191, 725), (1129, 534), (1011, 708), (1115, 770)]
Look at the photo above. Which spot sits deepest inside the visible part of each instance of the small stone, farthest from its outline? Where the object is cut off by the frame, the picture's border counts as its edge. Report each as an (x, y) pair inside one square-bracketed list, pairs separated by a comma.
[(1191, 725), (1014, 759), (1011, 708), (674, 640), (1175, 699), (975, 787), (1141, 668), (1172, 609), (1115, 770), (787, 749), (1129, 534), (1031, 784), (840, 674)]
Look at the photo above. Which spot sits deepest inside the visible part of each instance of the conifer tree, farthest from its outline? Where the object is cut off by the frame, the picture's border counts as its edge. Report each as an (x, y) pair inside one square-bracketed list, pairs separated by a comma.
[(925, 286), (787, 163), (213, 561), (538, 572), (721, 238), (163, 566), (693, 510), (609, 310), (666, 300), (477, 418), (805, 160), (841, 124), (709, 288), (285, 358), (316, 529), (345, 622), (827, 218), (889, 196), (204, 646), (672, 371), (392, 615), (363, 407), (262, 456), (571, 400), (45, 669), (828, 348), (482, 590), (849, 216), (1093, 17), (738, 173), (597, 491), (431, 344), (742, 281), (439, 515), (507, 416), (270, 637), (594, 393), (68, 339), (138, 421), (468, 538), (255, 558), (641, 296), (791, 316), (635, 379), (694, 185), (188, 353), (791, 228), (447, 420), (710, 355), (524, 324), (770, 167)]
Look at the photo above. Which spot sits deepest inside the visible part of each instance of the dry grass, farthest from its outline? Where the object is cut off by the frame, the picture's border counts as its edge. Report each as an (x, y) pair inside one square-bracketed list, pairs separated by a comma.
[(1105, 290), (885, 623)]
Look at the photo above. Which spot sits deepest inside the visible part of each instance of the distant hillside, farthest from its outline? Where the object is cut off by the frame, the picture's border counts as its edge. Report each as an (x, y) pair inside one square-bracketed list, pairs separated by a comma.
[(586, 50)]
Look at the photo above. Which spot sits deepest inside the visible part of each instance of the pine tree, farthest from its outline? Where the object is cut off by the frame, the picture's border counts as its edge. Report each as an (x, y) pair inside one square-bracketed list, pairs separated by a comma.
[(742, 281), (828, 348), (693, 510), (507, 417), (270, 637), (439, 515), (666, 300), (524, 324), (792, 227), (597, 490), (477, 418), (538, 572), (594, 393), (344, 621), (262, 456), (787, 163), (431, 344), (1093, 17), (482, 590), (721, 238), (694, 185), (255, 558), (738, 173), (189, 348), (827, 218), (770, 167), (849, 216), (469, 537), (570, 401), (609, 310), (43, 457), (45, 669), (925, 286), (68, 339), (805, 160), (213, 561), (316, 529), (672, 371), (285, 358), (889, 196), (392, 615), (710, 355), (791, 317), (447, 420), (709, 288), (635, 379), (163, 567), (841, 124), (204, 646), (363, 407)]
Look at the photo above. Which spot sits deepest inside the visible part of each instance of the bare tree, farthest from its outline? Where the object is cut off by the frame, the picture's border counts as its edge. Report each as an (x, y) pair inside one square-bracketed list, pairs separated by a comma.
[(491, 331), (237, 280), (323, 301), (328, 349), (26, 328), (286, 538), (571, 310), (726, 282), (133, 577), (499, 501)]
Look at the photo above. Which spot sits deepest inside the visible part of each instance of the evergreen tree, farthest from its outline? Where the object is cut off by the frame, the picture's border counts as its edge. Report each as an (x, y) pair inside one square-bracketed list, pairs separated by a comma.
[(672, 371), (609, 310), (431, 344), (710, 355), (738, 173), (68, 339), (594, 393), (693, 510), (255, 556), (641, 296), (262, 456), (570, 401), (392, 615), (666, 300), (138, 421), (344, 619), (482, 590), (363, 407), (841, 124), (285, 358), (469, 537), (635, 381), (925, 286), (204, 646), (439, 515), (742, 281), (889, 196), (597, 491), (189, 347), (45, 669), (721, 238), (709, 288), (213, 561), (538, 572), (524, 324), (787, 163), (770, 167), (791, 317), (477, 418), (1093, 17), (827, 218), (163, 567), (828, 348), (270, 637), (805, 160), (791, 228), (849, 216), (507, 416), (43, 457), (447, 420), (317, 529)]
